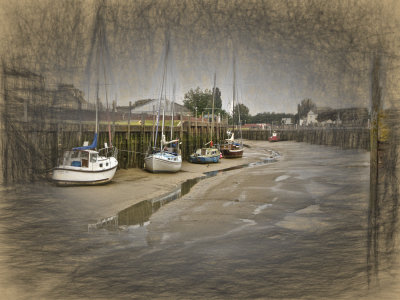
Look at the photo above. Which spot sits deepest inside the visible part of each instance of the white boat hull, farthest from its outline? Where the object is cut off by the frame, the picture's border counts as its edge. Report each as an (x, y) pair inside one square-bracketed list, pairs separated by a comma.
[(163, 162), (64, 176), (100, 172)]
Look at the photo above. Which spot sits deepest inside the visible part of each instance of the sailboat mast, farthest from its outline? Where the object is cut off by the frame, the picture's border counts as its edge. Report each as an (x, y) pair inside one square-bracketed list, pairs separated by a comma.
[(212, 109), (240, 123), (102, 38), (161, 92), (97, 108), (233, 93), (172, 112)]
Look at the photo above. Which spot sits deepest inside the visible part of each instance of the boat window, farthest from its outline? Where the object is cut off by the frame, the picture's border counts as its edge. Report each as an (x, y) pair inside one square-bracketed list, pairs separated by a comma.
[(67, 154), (93, 157), (75, 154), (101, 165), (84, 155), (106, 164)]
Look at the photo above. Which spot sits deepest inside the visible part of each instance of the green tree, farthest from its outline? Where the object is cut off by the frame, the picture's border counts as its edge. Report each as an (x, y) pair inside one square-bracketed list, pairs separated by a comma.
[(218, 100), (244, 114), (269, 117), (202, 100), (305, 106)]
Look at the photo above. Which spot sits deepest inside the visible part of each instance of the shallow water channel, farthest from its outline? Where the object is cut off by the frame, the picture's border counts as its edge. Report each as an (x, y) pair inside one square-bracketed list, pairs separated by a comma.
[(140, 213), (293, 229)]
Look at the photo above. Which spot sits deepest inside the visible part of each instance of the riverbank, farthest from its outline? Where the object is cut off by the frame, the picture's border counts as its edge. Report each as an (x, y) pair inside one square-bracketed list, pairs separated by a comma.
[(250, 233), (131, 186)]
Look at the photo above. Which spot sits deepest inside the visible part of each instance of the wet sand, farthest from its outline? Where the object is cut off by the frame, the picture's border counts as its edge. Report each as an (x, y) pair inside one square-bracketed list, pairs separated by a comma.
[(131, 186), (293, 229)]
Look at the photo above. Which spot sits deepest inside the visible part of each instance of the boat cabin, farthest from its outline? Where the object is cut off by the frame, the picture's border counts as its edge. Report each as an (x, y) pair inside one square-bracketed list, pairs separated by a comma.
[(85, 159), (207, 151)]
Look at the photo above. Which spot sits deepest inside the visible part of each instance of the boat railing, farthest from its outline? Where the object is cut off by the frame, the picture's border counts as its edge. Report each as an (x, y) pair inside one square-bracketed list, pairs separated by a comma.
[(109, 152)]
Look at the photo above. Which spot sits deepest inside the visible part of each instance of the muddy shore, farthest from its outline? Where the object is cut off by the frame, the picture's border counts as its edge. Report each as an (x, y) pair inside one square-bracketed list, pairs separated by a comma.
[(259, 232), (131, 186)]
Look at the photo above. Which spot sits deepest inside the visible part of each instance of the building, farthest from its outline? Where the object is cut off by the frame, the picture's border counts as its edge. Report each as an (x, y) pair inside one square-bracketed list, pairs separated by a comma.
[(287, 121), (69, 97), (151, 105), (311, 118), (255, 126), (25, 94)]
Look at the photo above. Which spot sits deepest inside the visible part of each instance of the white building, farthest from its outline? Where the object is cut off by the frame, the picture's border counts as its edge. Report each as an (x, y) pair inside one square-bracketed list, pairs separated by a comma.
[(287, 121), (151, 105), (311, 118)]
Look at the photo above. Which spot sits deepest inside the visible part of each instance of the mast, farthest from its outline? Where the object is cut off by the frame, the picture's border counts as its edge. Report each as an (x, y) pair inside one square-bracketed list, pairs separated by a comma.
[(240, 123), (212, 108), (161, 92), (162, 130), (233, 93), (172, 112), (97, 108), (102, 39)]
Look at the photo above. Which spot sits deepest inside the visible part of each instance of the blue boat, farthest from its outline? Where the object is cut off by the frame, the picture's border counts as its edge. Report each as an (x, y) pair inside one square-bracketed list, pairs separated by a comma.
[(205, 156)]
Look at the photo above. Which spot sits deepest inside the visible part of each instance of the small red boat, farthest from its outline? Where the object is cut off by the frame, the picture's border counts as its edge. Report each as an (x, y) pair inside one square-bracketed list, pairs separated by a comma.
[(274, 137)]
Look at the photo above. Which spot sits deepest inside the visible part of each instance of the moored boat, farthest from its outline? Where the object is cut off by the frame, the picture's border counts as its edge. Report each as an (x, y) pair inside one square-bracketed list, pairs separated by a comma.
[(85, 166), (274, 137), (231, 148), (205, 156), (210, 154), (167, 158)]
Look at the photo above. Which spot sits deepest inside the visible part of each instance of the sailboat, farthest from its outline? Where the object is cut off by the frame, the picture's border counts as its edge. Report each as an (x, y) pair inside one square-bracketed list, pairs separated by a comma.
[(231, 148), (167, 157), (206, 155), (85, 165)]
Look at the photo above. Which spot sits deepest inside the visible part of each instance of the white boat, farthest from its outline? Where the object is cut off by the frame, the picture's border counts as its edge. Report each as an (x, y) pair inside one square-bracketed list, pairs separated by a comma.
[(163, 162), (167, 158), (85, 166)]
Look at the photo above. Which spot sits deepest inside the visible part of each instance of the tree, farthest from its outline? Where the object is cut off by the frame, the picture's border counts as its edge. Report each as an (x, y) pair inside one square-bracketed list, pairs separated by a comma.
[(202, 100), (218, 100), (268, 117), (244, 114), (305, 107), (197, 100)]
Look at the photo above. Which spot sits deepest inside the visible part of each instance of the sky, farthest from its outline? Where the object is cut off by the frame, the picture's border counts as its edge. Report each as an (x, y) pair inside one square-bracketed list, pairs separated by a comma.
[(285, 51)]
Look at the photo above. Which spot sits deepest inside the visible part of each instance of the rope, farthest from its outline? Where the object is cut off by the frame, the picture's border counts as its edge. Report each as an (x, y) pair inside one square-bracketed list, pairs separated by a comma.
[(130, 151)]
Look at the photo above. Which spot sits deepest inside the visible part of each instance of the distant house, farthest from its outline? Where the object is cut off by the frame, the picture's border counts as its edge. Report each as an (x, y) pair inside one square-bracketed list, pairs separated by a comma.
[(151, 105), (328, 122), (68, 96), (287, 121), (354, 116), (311, 118), (255, 126)]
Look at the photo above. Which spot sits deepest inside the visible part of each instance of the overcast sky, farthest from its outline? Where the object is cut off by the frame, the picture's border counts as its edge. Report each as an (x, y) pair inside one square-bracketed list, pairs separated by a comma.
[(285, 50)]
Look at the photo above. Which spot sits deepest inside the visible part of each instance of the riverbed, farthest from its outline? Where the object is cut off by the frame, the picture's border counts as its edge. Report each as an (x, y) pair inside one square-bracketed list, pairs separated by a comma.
[(294, 228)]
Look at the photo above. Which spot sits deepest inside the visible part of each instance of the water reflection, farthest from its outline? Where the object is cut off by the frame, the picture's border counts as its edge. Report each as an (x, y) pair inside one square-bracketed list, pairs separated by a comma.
[(303, 240), (140, 213)]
